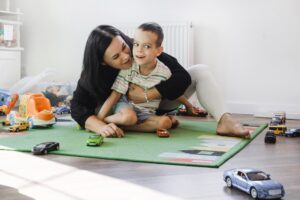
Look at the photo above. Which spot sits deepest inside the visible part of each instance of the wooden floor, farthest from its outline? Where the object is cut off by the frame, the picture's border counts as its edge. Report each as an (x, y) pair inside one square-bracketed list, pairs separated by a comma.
[(24, 176)]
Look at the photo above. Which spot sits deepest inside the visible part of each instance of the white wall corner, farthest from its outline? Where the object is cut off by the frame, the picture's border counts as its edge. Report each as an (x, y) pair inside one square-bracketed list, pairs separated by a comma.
[(264, 110)]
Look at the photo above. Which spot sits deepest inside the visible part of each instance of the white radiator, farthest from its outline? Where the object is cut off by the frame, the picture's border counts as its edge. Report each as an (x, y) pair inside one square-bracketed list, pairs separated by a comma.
[(178, 40)]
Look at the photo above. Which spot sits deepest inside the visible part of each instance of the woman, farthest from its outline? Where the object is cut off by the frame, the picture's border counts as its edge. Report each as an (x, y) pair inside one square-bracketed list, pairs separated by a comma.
[(107, 51)]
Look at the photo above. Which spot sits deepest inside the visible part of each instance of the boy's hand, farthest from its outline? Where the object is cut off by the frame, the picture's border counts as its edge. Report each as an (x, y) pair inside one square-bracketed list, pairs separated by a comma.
[(111, 130), (136, 93)]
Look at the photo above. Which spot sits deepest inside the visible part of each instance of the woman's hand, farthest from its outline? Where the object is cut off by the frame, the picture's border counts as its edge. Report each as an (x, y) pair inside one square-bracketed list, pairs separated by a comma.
[(136, 94), (191, 110), (111, 130)]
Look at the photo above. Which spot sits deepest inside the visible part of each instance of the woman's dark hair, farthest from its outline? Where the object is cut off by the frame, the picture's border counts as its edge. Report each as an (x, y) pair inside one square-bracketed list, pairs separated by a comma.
[(96, 77)]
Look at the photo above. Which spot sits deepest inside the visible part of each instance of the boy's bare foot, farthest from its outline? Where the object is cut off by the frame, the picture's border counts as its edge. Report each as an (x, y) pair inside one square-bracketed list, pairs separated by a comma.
[(175, 122), (228, 126)]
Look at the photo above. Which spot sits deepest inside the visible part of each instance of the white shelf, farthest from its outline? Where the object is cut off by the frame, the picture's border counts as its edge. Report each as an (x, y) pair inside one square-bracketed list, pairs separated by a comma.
[(5, 12), (10, 22), (11, 48), (10, 56)]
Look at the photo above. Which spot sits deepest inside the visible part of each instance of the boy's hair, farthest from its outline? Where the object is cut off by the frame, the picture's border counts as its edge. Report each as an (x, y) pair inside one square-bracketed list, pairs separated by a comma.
[(154, 28)]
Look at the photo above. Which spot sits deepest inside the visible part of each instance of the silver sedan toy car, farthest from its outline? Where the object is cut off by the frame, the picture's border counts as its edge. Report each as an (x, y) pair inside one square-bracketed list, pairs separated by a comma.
[(255, 182)]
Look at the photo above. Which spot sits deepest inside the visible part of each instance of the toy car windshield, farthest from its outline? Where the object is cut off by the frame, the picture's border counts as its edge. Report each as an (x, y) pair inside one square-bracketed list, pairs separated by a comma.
[(258, 176), (94, 136)]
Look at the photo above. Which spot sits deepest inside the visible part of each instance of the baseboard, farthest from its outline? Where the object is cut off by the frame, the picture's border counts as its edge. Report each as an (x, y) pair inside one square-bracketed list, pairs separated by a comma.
[(264, 110)]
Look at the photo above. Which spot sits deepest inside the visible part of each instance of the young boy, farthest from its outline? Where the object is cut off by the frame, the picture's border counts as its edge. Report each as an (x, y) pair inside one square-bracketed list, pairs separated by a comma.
[(147, 71)]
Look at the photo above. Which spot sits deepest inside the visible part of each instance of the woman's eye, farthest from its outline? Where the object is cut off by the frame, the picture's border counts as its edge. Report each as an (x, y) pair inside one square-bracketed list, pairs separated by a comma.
[(147, 46), (135, 44)]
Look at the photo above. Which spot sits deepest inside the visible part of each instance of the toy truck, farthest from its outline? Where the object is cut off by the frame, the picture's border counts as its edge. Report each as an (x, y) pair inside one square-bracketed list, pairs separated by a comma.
[(36, 109)]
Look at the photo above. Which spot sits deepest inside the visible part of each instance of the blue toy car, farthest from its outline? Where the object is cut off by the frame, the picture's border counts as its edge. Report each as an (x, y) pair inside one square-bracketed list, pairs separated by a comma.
[(63, 110), (254, 182), (293, 132)]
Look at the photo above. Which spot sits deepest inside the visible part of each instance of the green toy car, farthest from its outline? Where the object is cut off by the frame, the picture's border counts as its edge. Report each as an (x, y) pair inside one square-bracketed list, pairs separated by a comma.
[(94, 140)]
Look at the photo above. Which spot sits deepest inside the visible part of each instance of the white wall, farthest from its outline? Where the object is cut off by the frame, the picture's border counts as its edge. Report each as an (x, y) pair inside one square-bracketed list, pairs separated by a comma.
[(251, 45)]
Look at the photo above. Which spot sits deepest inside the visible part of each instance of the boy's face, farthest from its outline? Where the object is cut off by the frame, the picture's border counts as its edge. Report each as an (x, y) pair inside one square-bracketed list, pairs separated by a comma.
[(145, 49)]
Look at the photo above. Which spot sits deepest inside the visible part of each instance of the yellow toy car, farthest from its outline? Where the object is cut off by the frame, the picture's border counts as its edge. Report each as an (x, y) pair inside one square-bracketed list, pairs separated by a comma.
[(21, 126), (278, 129)]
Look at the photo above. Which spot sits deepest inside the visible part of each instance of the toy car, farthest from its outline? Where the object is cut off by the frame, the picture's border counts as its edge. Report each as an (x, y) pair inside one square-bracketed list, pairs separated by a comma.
[(5, 123), (293, 132), (276, 121), (183, 112), (281, 115), (9, 101), (278, 129), (270, 137), (4, 96), (162, 133), (94, 140), (44, 148), (63, 110), (20, 126), (3, 109), (254, 182)]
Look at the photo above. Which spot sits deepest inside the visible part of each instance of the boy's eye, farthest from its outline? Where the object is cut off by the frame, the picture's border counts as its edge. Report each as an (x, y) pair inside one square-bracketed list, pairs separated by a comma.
[(135, 44), (147, 46)]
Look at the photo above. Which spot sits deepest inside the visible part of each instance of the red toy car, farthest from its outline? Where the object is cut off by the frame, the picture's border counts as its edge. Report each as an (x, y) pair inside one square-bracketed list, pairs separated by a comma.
[(162, 132)]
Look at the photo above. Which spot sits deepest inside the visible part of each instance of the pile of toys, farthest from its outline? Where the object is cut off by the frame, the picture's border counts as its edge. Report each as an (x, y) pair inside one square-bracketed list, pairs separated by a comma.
[(278, 127), (34, 111)]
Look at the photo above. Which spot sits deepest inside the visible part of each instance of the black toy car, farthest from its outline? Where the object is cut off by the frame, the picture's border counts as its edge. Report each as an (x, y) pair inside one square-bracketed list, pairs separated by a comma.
[(270, 137), (45, 147), (276, 121)]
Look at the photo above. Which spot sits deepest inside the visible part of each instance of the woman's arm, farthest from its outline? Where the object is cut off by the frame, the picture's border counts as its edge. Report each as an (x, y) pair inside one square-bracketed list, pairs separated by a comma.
[(83, 112), (179, 81), (108, 104), (138, 94), (83, 105)]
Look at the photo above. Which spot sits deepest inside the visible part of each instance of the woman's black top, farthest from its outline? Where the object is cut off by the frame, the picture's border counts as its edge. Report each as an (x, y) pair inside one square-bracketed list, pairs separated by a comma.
[(84, 101)]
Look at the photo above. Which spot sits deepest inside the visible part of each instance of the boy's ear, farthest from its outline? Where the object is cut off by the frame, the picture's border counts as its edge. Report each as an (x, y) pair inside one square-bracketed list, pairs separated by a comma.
[(159, 50)]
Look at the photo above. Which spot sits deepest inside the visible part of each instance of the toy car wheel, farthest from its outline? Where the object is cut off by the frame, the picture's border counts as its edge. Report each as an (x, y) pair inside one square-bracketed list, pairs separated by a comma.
[(228, 182), (253, 193), (30, 121), (17, 130), (11, 118), (57, 147), (45, 152)]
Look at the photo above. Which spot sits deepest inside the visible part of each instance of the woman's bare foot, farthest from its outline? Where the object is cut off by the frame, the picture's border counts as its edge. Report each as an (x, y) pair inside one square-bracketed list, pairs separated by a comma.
[(228, 126)]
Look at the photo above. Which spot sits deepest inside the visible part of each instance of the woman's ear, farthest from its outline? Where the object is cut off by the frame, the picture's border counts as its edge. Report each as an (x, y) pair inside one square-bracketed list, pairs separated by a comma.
[(159, 50)]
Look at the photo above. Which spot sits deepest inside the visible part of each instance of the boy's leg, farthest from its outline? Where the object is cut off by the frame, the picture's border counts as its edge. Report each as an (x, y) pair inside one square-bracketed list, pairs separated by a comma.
[(125, 116), (151, 124), (122, 113)]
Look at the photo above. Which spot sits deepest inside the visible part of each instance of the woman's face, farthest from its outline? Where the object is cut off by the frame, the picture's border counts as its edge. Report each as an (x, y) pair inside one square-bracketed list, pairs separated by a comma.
[(118, 54)]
